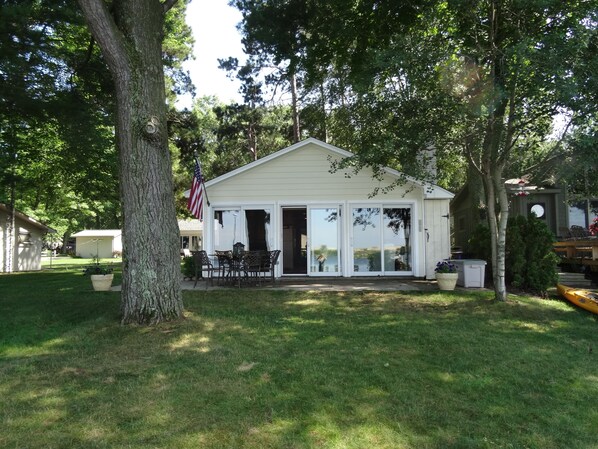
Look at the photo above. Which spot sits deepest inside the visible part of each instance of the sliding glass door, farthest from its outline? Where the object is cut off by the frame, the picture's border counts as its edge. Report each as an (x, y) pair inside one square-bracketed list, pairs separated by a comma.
[(381, 240), (324, 238)]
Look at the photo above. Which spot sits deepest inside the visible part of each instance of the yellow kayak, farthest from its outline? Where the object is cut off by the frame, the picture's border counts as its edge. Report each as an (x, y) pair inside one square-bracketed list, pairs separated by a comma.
[(582, 298)]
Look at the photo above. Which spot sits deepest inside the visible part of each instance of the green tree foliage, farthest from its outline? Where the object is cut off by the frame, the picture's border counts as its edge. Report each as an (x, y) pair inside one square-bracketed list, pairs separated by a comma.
[(219, 133), (58, 160), (480, 80)]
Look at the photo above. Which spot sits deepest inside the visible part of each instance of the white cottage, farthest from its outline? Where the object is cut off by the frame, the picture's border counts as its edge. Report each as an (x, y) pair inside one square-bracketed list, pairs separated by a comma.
[(190, 232), (21, 249), (103, 243), (327, 224)]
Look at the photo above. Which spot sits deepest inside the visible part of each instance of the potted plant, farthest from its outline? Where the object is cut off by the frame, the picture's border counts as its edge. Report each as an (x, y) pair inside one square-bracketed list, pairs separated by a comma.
[(446, 275), (101, 275)]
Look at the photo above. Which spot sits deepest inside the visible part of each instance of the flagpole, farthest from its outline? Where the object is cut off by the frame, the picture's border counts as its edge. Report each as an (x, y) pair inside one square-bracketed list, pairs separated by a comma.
[(202, 178)]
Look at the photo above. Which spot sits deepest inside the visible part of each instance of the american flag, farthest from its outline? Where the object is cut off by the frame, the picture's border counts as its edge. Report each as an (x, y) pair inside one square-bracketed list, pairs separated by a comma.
[(195, 203)]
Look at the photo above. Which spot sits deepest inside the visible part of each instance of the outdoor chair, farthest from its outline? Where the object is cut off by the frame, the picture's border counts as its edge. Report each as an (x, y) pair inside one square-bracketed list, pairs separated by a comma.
[(252, 266), (270, 259), (579, 233), (224, 265), (565, 233), (203, 263)]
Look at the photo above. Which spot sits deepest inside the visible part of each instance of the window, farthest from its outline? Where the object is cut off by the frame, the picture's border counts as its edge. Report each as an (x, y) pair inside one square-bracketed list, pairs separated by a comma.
[(250, 226), (538, 209), (381, 239)]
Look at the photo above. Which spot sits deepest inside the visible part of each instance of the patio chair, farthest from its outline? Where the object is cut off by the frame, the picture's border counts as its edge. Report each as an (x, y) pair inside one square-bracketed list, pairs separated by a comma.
[(225, 259), (270, 259), (203, 263), (565, 233), (252, 266), (579, 233)]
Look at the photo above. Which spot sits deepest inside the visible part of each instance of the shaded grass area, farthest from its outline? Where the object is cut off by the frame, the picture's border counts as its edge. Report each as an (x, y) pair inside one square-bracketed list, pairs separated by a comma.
[(275, 369)]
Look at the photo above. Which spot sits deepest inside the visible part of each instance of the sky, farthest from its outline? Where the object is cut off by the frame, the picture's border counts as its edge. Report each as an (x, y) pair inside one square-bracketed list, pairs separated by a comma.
[(214, 28)]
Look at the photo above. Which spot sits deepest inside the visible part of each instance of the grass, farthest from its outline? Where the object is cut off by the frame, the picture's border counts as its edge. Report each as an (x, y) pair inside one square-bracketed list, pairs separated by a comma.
[(62, 262), (273, 369)]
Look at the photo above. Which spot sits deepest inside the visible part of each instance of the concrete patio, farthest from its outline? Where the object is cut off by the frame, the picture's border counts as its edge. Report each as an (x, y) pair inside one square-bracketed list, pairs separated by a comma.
[(330, 284)]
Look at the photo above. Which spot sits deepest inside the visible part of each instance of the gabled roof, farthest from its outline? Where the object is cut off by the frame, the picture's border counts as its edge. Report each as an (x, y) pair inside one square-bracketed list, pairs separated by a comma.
[(190, 225), (28, 219), (430, 191), (98, 233)]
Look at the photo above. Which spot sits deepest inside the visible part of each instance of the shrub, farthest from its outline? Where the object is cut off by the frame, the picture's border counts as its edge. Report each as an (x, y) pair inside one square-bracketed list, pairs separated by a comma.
[(188, 267), (530, 259), (541, 261), (515, 258)]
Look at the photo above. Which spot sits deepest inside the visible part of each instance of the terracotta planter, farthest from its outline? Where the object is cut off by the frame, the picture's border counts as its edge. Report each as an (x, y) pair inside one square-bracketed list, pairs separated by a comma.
[(447, 281), (101, 282)]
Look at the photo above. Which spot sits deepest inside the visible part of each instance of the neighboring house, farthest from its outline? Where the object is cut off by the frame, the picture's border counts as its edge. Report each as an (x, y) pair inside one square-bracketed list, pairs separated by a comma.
[(107, 243), (98, 243), (328, 223), (20, 250), (191, 234), (548, 203)]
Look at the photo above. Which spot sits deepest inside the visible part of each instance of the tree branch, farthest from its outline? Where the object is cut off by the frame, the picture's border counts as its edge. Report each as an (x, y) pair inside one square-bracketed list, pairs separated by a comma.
[(110, 39), (168, 4)]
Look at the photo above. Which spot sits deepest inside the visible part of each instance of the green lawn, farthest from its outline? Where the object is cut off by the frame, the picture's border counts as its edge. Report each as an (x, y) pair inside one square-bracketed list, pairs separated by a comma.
[(272, 369)]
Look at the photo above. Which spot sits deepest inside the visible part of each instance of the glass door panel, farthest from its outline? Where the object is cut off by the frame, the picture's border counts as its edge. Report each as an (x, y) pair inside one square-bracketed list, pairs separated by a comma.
[(366, 240), (396, 231), (294, 240), (324, 255)]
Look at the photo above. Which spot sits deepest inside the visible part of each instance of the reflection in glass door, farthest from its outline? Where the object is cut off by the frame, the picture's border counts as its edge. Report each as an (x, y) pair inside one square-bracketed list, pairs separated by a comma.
[(381, 240), (324, 255)]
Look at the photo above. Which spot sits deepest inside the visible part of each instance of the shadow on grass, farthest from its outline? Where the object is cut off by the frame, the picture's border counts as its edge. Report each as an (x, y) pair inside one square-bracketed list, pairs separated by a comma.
[(270, 369)]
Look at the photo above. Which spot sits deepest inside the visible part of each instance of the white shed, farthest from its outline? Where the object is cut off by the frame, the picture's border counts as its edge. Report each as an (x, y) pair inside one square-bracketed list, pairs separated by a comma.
[(101, 243), (21, 249), (190, 232), (328, 223)]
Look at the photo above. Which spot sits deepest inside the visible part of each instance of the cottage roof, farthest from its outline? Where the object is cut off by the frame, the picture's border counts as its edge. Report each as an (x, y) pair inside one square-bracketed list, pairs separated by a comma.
[(33, 222), (98, 233), (190, 225)]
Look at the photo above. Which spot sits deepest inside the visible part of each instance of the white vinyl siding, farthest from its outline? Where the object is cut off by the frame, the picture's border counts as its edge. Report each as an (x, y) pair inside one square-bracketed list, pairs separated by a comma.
[(303, 175), (437, 239)]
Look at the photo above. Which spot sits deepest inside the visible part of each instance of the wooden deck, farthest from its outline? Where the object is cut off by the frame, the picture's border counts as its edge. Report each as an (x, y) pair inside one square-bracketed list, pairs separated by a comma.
[(578, 252)]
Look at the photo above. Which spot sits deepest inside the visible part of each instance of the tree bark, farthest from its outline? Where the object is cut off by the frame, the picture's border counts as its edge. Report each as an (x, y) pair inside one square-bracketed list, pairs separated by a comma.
[(295, 108), (130, 38)]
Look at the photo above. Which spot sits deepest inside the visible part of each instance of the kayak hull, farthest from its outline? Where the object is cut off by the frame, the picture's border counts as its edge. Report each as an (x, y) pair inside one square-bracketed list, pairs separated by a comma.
[(585, 299)]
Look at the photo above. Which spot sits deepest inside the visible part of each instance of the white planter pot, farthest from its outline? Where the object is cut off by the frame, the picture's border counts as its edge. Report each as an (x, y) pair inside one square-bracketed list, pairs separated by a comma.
[(101, 282), (447, 281)]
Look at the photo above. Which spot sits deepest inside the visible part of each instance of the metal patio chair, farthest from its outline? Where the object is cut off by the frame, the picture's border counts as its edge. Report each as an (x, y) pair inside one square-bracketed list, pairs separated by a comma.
[(203, 264)]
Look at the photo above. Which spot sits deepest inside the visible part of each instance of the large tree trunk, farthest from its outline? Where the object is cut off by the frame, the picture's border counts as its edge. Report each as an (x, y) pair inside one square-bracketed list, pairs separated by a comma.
[(131, 42)]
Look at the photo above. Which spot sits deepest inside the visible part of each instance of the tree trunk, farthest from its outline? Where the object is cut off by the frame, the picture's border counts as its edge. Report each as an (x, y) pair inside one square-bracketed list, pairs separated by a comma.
[(131, 42), (10, 236), (295, 109)]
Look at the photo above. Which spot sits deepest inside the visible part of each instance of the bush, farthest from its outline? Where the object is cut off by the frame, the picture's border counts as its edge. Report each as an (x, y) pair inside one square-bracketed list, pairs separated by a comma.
[(541, 261), (515, 258), (188, 267), (530, 259)]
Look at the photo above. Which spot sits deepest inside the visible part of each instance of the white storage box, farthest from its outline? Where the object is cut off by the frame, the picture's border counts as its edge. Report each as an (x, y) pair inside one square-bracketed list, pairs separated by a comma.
[(471, 272)]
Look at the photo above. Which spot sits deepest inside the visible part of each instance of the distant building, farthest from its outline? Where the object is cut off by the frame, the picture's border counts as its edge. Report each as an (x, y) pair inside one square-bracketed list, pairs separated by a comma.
[(108, 242), (21, 249), (191, 234), (548, 203), (98, 243)]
